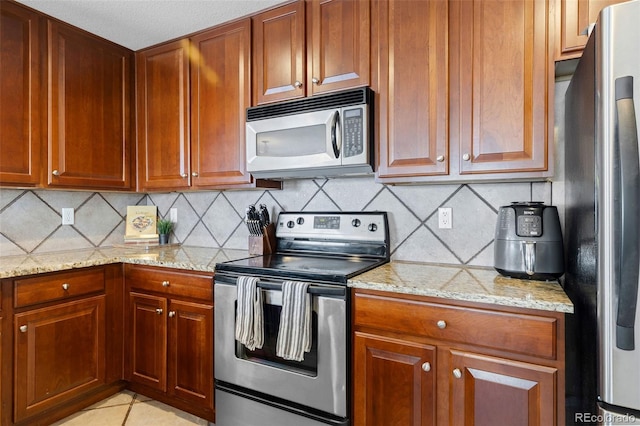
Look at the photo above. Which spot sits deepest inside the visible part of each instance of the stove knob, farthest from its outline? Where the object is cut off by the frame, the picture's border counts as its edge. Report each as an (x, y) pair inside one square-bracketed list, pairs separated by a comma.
[(355, 222), (291, 224), (373, 227), (300, 220)]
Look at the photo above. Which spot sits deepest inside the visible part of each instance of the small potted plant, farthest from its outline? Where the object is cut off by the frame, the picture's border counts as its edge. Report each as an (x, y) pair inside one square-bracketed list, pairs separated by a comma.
[(164, 229)]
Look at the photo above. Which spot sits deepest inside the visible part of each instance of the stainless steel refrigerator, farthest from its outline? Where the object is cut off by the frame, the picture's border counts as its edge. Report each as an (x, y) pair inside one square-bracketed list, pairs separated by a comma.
[(602, 222)]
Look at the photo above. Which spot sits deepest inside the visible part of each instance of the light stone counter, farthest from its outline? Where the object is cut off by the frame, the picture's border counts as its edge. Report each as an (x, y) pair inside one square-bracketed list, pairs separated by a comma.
[(465, 284), (179, 257)]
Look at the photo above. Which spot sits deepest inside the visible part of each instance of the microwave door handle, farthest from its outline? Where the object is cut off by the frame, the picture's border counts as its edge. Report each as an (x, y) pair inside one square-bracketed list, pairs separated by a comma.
[(626, 140), (336, 134)]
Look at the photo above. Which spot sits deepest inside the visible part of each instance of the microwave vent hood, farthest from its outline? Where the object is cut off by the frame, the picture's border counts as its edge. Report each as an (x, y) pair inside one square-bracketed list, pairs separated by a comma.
[(362, 95), (320, 136)]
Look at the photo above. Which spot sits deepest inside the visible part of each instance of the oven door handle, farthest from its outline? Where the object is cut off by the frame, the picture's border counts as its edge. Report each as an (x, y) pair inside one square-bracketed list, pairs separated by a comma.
[(313, 289)]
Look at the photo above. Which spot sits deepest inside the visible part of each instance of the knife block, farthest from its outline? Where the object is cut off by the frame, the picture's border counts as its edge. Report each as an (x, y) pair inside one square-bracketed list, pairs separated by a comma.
[(265, 243)]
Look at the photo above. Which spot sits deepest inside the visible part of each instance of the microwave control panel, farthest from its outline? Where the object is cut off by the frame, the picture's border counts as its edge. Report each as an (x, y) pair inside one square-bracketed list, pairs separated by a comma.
[(353, 131)]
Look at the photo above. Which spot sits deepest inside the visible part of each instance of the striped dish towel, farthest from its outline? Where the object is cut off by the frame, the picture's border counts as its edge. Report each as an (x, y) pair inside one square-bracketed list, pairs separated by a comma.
[(249, 315), (294, 334)]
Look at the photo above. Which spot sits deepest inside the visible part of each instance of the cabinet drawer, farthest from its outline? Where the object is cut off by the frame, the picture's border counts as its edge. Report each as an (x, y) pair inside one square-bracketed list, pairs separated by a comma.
[(63, 285), (519, 333), (198, 285)]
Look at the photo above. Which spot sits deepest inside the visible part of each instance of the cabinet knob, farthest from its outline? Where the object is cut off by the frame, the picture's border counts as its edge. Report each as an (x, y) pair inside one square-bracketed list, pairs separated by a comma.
[(315, 81), (172, 314), (159, 311), (457, 373), (440, 158), (426, 366), (441, 324), (297, 84), (65, 286), (184, 175), (466, 157), (55, 173), (23, 328), (194, 174), (165, 283)]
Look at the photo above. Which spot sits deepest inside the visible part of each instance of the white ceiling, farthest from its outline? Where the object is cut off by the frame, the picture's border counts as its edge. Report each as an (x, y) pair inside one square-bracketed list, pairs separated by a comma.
[(137, 24)]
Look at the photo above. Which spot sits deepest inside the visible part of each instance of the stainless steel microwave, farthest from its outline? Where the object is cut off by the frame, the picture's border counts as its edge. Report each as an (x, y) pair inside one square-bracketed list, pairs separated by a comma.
[(320, 136)]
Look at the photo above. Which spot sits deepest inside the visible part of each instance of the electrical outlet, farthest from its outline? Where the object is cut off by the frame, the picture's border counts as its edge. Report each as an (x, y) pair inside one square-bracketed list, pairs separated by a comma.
[(445, 218), (173, 214), (67, 216)]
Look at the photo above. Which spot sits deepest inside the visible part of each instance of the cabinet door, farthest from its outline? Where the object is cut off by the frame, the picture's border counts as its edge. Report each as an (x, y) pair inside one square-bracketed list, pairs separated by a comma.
[(493, 391), (191, 352), (338, 44), (575, 18), (162, 95), (59, 354), (147, 342), (410, 78), (279, 67), (220, 94), (501, 85), (20, 103), (89, 111), (394, 382)]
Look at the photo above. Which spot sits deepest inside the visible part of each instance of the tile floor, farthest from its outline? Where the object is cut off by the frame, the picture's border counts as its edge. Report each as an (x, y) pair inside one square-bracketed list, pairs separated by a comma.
[(130, 409)]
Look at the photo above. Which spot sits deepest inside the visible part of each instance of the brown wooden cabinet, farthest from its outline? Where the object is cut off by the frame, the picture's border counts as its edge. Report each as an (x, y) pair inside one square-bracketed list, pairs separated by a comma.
[(169, 336), (90, 136), (67, 342), (334, 55), (465, 89), (191, 101), (21, 103), (409, 76), (574, 18), (428, 361)]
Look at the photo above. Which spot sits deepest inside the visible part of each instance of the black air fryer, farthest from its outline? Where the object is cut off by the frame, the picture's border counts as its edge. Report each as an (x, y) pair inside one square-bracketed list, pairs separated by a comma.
[(528, 242)]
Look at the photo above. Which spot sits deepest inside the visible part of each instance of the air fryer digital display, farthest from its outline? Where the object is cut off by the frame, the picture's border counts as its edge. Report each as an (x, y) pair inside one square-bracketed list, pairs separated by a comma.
[(529, 225)]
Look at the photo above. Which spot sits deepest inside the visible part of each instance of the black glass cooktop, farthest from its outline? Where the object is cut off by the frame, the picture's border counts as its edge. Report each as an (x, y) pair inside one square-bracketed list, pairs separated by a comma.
[(313, 268)]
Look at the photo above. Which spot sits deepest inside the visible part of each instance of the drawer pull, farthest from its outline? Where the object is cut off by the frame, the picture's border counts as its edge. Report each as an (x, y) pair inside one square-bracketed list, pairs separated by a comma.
[(426, 366), (159, 311), (165, 283), (172, 314), (442, 324), (65, 286), (23, 328), (457, 373)]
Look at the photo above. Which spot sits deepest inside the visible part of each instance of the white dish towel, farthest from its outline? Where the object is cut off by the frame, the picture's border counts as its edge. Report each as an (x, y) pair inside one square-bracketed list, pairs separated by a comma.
[(249, 313), (294, 334)]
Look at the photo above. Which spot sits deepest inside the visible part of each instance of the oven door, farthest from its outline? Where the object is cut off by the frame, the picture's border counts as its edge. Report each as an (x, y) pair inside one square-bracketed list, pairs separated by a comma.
[(319, 382)]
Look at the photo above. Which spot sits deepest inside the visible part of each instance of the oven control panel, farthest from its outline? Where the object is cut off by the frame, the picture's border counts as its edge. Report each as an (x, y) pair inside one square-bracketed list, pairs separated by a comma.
[(356, 226)]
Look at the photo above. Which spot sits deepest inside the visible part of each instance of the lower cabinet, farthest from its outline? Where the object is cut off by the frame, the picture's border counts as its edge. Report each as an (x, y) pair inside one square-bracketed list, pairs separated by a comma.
[(59, 354), (421, 361), (169, 337), (66, 347)]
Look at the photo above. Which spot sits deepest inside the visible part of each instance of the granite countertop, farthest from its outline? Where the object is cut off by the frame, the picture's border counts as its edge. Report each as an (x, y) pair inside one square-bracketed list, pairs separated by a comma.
[(452, 282), (173, 256), (445, 281)]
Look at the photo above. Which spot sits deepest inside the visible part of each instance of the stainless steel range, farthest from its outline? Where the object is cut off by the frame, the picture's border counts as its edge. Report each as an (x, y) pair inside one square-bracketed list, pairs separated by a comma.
[(258, 387)]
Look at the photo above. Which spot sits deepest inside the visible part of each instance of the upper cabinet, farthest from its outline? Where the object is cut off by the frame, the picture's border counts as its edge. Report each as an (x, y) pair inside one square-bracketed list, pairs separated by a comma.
[(90, 137), (502, 81), (409, 77), (191, 100), (575, 18), (162, 95), (468, 102), (20, 103), (298, 52), (66, 105)]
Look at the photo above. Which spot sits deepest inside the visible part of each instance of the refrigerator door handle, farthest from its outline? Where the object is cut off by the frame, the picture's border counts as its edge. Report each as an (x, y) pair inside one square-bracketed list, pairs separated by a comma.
[(626, 138)]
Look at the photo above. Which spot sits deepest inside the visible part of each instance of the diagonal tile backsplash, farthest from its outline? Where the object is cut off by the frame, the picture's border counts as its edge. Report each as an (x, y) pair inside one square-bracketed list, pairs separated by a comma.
[(30, 220)]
